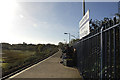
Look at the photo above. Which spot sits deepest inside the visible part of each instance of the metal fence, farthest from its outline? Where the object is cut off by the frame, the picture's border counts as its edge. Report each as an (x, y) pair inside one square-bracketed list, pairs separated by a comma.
[(98, 54)]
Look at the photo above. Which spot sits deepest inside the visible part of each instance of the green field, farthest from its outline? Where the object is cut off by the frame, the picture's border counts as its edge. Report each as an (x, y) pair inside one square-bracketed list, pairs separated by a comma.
[(15, 58), (16, 55)]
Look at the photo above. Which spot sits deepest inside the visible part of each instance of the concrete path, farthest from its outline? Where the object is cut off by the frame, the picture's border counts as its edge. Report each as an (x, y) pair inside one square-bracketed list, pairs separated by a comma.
[(49, 68)]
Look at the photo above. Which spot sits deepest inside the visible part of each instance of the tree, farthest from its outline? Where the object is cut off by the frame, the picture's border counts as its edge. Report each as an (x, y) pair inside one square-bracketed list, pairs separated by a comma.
[(61, 45), (74, 41)]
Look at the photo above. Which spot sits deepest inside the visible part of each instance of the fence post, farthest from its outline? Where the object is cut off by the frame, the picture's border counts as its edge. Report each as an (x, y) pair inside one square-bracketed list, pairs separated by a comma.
[(101, 51), (114, 39)]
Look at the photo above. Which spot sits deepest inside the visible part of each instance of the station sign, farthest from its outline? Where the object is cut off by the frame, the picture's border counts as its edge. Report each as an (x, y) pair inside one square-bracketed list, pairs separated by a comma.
[(84, 26)]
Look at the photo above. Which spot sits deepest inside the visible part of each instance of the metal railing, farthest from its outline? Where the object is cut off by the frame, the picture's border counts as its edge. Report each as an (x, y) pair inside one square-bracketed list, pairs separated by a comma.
[(98, 54)]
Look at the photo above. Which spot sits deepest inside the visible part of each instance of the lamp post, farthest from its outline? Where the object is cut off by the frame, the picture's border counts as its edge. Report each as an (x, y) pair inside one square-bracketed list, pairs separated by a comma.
[(68, 35), (65, 41)]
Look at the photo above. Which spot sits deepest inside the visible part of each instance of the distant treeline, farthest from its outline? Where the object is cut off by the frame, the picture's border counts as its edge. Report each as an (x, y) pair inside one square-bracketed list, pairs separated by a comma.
[(25, 46)]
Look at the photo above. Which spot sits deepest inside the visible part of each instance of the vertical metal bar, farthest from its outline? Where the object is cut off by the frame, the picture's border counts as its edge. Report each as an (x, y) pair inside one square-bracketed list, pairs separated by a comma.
[(105, 66), (103, 55), (90, 55), (69, 38), (110, 55), (96, 56), (119, 54), (101, 52), (110, 51), (99, 47), (114, 40), (88, 76), (117, 50), (81, 58), (114, 52)]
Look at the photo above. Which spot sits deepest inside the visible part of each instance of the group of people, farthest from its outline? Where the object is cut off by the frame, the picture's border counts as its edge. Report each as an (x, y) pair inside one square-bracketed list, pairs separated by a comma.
[(69, 53)]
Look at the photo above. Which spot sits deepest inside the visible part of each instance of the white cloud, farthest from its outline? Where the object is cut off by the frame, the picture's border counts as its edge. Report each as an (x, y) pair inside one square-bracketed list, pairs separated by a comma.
[(35, 25), (21, 16)]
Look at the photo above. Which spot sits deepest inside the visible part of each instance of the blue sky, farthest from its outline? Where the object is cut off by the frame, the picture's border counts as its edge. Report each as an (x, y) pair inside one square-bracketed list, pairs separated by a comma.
[(46, 22)]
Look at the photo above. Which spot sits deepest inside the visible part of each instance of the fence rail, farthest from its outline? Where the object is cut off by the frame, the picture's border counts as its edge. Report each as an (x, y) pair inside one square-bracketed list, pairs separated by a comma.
[(98, 54)]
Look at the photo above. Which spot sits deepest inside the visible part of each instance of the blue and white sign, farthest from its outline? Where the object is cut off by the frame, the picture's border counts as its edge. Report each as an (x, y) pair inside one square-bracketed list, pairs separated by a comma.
[(84, 25)]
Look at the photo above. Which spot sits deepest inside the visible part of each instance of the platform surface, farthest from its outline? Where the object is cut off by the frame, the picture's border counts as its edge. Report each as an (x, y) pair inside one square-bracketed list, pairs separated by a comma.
[(49, 68)]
